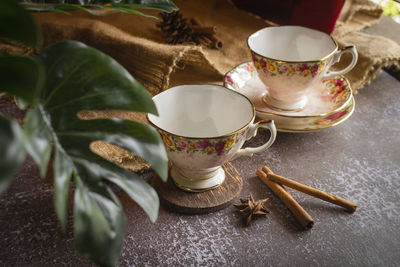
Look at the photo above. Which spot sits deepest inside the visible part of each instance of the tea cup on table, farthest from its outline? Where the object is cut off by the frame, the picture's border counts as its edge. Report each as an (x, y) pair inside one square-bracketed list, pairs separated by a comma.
[(202, 127), (290, 59)]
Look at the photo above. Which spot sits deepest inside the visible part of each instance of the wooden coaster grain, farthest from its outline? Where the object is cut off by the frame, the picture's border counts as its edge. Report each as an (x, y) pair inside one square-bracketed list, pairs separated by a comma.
[(181, 201)]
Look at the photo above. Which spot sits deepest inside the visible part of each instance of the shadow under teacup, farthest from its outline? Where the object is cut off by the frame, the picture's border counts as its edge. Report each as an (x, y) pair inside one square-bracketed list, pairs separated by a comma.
[(290, 59), (202, 127)]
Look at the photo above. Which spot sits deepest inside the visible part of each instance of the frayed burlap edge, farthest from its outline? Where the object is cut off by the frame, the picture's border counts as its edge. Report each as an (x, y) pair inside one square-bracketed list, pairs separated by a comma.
[(375, 52), (356, 15)]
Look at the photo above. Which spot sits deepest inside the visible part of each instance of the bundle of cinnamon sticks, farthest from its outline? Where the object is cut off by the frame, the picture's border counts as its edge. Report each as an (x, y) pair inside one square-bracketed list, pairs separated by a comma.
[(276, 183), (181, 30)]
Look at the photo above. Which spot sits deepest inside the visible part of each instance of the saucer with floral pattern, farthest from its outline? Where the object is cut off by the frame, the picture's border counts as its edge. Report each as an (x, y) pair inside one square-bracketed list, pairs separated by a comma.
[(330, 101)]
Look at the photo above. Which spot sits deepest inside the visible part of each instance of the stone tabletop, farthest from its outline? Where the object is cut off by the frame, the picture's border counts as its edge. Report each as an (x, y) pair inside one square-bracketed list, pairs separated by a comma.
[(358, 160)]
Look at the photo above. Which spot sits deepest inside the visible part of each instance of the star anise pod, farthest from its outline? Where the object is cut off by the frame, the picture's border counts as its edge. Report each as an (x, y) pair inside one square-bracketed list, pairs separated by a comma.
[(251, 209)]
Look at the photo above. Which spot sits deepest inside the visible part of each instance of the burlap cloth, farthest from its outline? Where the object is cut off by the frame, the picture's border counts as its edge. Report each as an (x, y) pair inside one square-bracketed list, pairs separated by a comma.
[(137, 44), (374, 52)]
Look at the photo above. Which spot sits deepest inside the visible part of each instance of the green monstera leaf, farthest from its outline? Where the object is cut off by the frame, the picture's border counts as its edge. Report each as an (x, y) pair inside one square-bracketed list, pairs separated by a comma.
[(66, 78), (94, 6), (22, 76), (12, 150), (19, 75), (17, 24), (82, 78)]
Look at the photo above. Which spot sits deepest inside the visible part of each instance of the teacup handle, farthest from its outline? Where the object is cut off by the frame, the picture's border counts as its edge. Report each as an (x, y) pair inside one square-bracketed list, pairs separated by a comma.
[(336, 58), (249, 151)]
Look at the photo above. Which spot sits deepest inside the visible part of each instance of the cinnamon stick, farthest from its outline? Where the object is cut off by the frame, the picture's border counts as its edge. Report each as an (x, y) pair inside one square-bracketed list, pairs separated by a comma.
[(203, 40), (301, 215), (215, 42), (194, 21), (203, 29), (350, 206)]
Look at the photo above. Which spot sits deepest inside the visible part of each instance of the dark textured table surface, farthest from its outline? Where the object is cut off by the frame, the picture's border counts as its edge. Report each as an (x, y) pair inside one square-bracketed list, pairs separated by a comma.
[(358, 160)]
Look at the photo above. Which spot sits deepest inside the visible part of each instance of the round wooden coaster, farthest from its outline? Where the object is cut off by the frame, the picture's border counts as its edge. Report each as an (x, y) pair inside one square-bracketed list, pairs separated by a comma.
[(182, 201)]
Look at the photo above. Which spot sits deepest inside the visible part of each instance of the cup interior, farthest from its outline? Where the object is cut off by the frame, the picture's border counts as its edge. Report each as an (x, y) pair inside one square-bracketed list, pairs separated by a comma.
[(200, 111), (292, 43)]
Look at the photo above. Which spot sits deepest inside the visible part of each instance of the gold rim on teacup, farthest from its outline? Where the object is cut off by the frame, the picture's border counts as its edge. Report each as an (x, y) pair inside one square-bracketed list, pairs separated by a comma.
[(300, 61), (212, 137)]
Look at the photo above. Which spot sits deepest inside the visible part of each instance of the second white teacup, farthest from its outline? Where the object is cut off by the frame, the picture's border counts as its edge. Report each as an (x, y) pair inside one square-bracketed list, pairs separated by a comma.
[(289, 59), (202, 127)]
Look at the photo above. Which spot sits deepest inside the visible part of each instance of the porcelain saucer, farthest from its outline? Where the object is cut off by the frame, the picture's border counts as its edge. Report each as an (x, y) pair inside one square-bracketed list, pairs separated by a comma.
[(330, 102)]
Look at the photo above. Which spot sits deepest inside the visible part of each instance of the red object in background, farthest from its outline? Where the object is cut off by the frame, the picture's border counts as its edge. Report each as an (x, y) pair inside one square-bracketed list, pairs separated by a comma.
[(316, 14)]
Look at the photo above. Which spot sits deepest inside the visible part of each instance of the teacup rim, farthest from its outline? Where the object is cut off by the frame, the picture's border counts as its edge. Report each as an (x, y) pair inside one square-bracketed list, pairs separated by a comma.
[(300, 61), (209, 137)]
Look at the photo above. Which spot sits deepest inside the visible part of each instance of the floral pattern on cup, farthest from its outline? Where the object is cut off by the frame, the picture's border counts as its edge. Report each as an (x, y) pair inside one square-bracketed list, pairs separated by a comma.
[(217, 146), (273, 68), (249, 71)]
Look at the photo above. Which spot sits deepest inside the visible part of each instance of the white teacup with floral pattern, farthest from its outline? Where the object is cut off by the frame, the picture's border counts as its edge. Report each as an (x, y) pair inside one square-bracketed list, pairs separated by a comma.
[(289, 59), (202, 127)]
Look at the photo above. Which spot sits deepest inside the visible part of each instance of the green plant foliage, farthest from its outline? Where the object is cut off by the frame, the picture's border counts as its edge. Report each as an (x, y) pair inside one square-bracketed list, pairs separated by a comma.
[(66, 78), (82, 78), (22, 76), (13, 153), (17, 24), (19, 75), (99, 223), (93, 6)]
